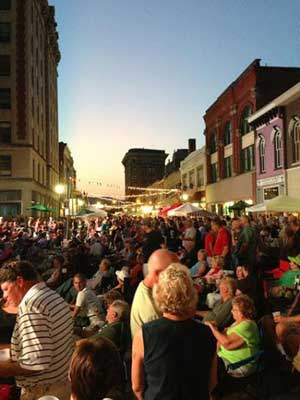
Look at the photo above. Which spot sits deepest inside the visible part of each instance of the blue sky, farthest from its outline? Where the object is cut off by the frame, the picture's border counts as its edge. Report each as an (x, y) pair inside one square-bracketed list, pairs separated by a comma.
[(137, 73)]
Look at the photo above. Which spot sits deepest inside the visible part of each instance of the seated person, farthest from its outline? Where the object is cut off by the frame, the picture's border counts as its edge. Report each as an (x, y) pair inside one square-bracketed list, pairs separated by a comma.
[(121, 276), (88, 307), (221, 312), (103, 271), (136, 272), (286, 282), (212, 277), (110, 297), (247, 283), (216, 271), (241, 340), (116, 328), (56, 277), (200, 268), (96, 371)]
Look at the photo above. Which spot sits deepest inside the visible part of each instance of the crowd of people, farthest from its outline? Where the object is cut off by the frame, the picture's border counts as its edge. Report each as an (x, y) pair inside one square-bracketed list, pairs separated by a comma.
[(149, 308)]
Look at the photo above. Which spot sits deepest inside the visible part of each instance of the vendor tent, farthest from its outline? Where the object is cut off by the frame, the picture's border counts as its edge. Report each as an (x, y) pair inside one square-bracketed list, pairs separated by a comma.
[(92, 211), (260, 207), (184, 210), (165, 210), (40, 207), (278, 204)]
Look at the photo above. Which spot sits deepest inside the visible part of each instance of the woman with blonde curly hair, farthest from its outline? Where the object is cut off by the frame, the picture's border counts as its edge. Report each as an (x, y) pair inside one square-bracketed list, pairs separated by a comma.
[(174, 357)]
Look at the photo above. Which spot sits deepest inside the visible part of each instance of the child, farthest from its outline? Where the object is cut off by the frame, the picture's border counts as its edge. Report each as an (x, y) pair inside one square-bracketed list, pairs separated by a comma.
[(213, 276), (200, 268)]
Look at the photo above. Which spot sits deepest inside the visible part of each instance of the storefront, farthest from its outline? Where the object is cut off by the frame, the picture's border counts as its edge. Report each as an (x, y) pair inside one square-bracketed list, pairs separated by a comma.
[(271, 187)]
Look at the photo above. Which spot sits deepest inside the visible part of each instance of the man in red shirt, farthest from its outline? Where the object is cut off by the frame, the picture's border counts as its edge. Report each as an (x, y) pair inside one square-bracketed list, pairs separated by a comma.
[(222, 243)]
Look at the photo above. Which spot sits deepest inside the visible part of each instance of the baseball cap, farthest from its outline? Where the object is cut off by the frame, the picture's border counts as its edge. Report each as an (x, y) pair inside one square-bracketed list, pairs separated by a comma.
[(295, 260)]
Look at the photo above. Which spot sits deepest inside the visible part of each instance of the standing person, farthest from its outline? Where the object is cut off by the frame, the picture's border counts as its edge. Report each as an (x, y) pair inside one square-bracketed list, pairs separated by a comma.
[(173, 357), (189, 236), (222, 243), (42, 342), (143, 308), (247, 243), (96, 371), (235, 235), (153, 239), (209, 245), (295, 227)]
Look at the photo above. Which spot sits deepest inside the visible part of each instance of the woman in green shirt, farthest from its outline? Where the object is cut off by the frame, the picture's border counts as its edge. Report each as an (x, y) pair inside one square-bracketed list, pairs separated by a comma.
[(241, 339)]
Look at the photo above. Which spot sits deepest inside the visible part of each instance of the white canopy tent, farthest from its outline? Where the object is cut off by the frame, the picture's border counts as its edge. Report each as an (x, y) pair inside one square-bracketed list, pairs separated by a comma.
[(278, 204), (184, 210), (92, 211)]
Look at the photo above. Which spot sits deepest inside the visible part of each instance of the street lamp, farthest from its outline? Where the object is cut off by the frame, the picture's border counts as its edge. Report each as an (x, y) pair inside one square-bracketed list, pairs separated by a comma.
[(185, 197), (59, 189)]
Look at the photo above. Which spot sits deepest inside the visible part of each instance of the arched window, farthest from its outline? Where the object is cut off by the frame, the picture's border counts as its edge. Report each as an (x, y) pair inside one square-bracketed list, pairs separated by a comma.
[(227, 139), (294, 132), (213, 143), (277, 147), (262, 153), (244, 126)]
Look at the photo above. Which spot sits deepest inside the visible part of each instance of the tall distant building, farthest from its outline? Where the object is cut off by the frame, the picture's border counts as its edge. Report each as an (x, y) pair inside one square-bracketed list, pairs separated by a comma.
[(142, 168), (29, 55)]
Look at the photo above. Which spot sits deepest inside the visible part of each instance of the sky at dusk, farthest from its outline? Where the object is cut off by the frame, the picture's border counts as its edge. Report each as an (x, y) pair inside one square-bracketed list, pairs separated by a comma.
[(140, 73)]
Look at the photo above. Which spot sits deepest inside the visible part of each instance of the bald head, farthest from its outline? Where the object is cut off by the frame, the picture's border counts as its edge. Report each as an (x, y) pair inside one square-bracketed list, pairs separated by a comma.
[(158, 261)]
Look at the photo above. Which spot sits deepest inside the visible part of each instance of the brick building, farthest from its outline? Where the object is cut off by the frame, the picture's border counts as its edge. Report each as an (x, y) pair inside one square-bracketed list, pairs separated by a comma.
[(230, 143)]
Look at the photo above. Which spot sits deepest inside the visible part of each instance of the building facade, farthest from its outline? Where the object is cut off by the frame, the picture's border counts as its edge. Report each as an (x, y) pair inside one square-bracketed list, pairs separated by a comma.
[(142, 168), (67, 178), (269, 152), (29, 55), (229, 139), (277, 128), (193, 176)]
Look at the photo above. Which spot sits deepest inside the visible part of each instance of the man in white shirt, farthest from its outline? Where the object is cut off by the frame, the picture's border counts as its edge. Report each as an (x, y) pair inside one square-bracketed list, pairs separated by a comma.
[(42, 342), (87, 304), (189, 236)]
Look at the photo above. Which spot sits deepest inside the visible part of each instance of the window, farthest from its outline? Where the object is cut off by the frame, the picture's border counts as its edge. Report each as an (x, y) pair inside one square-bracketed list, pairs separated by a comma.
[(214, 172), (5, 165), (4, 32), (184, 181), (191, 179), (4, 65), (32, 106), (247, 159), (200, 176), (5, 99), (271, 192), (39, 173), (10, 195), (213, 143), (227, 167), (5, 5), (277, 148), (227, 139), (33, 169), (244, 126), (294, 131), (261, 153), (5, 132)]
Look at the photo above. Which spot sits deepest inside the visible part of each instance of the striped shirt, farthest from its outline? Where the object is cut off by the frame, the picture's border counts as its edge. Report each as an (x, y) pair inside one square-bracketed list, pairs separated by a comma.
[(42, 339)]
